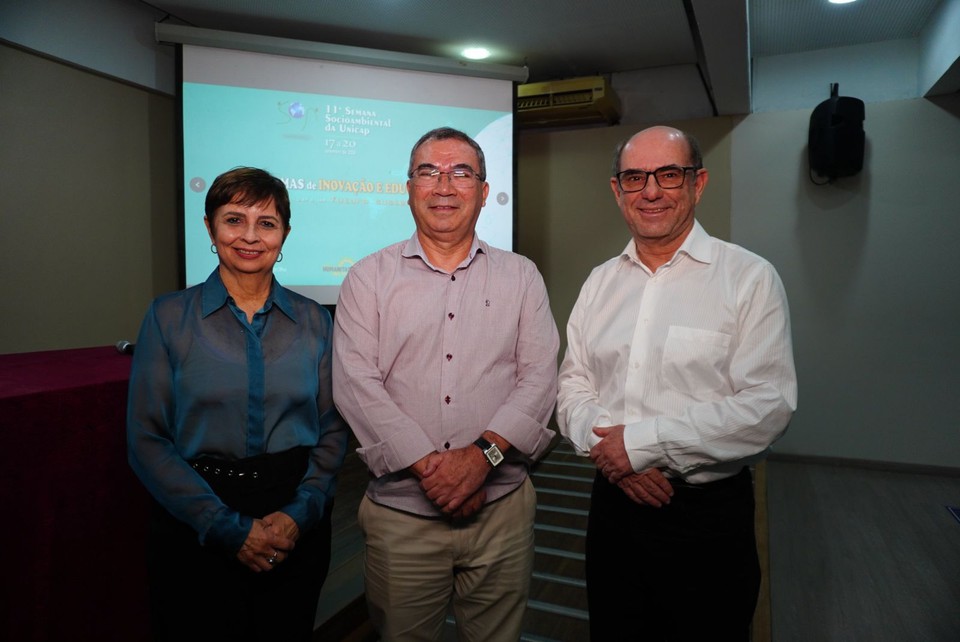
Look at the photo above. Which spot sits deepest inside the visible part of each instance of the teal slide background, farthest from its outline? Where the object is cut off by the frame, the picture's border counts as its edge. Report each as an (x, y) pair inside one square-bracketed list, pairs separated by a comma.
[(344, 162)]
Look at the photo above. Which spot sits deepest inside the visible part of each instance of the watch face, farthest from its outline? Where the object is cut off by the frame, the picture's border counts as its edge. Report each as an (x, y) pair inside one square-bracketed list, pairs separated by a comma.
[(494, 456)]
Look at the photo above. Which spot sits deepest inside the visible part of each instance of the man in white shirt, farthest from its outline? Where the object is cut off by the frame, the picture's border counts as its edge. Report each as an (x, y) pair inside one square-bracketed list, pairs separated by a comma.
[(678, 376)]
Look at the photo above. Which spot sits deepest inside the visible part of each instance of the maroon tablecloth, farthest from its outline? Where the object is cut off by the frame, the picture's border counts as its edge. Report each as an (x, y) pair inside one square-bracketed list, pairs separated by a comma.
[(74, 514)]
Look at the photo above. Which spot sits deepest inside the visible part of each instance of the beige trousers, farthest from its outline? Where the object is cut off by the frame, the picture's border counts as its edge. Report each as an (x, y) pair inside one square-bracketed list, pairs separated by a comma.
[(414, 567)]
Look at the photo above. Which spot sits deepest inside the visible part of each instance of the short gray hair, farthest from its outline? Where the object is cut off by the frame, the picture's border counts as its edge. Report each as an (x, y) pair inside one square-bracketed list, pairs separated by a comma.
[(447, 133)]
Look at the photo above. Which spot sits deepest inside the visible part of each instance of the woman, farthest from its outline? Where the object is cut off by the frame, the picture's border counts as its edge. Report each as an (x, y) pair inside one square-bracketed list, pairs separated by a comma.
[(231, 427)]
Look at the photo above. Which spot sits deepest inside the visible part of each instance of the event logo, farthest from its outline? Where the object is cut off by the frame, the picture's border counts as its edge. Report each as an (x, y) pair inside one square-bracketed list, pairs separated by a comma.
[(296, 113), (343, 266)]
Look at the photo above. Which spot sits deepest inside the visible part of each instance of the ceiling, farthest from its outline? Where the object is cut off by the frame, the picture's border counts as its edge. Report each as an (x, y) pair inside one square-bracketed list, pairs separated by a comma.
[(557, 39)]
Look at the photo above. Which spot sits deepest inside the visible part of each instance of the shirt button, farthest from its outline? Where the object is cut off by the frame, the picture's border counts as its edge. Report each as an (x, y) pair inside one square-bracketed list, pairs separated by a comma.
[(447, 399), (450, 315), (446, 446), (453, 277), (449, 357)]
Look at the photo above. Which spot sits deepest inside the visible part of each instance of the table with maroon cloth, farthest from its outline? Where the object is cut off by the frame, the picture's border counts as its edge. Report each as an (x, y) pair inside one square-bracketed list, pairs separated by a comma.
[(74, 515)]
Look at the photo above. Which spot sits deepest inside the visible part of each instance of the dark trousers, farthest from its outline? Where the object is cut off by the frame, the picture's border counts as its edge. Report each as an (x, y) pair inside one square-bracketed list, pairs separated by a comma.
[(686, 571), (204, 593)]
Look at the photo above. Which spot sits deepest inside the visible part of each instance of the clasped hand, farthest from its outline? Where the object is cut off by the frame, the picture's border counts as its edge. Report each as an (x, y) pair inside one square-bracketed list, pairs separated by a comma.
[(269, 542), (453, 480), (648, 487)]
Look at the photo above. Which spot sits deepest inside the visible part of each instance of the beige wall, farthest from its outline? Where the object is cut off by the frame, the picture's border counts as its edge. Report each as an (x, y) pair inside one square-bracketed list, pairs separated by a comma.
[(88, 204)]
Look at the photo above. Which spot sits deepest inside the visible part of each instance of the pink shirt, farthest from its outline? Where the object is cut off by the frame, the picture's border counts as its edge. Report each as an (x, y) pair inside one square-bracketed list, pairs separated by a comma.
[(426, 360)]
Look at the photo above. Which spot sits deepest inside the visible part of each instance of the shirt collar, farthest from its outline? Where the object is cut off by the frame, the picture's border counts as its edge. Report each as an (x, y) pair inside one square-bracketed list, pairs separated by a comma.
[(696, 246), (214, 296), (413, 248)]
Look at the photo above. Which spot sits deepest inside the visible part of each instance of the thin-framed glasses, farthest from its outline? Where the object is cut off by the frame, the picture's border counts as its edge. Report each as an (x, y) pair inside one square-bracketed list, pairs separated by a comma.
[(668, 177), (460, 177)]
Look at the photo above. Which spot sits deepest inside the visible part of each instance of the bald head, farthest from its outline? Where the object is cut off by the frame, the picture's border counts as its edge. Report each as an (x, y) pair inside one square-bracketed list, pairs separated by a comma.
[(659, 134)]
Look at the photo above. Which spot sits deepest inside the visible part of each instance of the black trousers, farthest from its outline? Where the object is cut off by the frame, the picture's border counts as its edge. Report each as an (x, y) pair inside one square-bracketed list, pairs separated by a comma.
[(204, 593), (686, 571)]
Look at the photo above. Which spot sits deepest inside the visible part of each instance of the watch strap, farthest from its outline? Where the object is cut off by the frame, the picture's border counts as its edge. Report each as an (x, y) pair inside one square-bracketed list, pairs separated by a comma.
[(490, 450)]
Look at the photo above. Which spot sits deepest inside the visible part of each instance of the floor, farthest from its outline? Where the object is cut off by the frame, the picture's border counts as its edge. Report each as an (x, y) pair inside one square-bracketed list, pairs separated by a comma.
[(862, 554), (850, 554)]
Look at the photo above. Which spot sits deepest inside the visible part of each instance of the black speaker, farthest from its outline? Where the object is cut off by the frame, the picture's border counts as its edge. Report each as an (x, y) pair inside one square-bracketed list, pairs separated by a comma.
[(836, 139)]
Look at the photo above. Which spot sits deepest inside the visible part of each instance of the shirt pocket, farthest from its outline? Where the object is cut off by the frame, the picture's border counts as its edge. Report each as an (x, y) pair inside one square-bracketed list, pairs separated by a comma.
[(694, 360)]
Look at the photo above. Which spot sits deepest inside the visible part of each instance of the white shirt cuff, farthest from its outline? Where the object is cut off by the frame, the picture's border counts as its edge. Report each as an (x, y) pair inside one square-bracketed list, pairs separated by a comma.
[(643, 449)]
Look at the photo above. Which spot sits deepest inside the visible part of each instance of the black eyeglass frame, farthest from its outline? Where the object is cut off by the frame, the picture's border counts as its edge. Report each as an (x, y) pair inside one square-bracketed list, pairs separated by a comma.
[(646, 176)]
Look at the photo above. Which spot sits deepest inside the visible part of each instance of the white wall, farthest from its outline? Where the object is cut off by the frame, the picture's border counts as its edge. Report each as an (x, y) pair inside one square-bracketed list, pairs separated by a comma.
[(940, 57), (870, 268), (873, 73)]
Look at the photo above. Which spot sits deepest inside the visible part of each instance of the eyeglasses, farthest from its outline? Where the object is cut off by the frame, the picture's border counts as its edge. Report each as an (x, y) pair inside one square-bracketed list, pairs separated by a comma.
[(461, 177), (669, 177)]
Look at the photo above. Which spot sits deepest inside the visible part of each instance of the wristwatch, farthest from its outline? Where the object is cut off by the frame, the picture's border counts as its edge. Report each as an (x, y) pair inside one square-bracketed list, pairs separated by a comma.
[(490, 451)]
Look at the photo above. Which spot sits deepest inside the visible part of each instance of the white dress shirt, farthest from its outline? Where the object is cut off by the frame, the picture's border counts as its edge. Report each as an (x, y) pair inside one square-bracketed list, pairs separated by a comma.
[(695, 359)]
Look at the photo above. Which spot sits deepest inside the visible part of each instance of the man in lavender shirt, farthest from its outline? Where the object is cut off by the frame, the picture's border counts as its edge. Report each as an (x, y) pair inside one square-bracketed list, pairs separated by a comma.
[(445, 362)]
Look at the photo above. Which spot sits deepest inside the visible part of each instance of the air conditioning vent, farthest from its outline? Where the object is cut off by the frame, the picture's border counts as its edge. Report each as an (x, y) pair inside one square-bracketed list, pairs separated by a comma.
[(575, 101)]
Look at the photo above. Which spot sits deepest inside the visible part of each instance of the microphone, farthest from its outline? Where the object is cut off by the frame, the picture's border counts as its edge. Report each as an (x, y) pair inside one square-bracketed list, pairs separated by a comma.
[(125, 347)]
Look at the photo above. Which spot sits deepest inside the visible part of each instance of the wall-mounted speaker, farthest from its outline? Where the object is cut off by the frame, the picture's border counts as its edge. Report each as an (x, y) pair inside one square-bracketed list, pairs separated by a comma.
[(836, 139)]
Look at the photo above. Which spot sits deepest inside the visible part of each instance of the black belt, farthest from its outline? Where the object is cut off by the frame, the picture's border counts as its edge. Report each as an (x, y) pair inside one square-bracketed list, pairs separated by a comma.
[(259, 468), (256, 485)]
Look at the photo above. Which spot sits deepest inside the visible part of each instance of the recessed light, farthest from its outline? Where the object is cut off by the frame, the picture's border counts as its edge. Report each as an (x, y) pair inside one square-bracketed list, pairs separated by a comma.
[(476, 53)]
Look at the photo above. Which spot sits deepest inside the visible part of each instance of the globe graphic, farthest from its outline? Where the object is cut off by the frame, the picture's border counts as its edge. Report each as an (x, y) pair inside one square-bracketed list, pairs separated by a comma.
[(296, 110)]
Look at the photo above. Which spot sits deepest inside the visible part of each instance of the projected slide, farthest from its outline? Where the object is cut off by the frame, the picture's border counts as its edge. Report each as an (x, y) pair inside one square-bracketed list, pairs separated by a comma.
[(342, 157)]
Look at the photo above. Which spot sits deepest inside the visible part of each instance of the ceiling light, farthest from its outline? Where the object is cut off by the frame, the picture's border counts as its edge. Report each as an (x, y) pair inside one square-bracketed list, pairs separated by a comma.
[(476, 53), (841, 1)]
